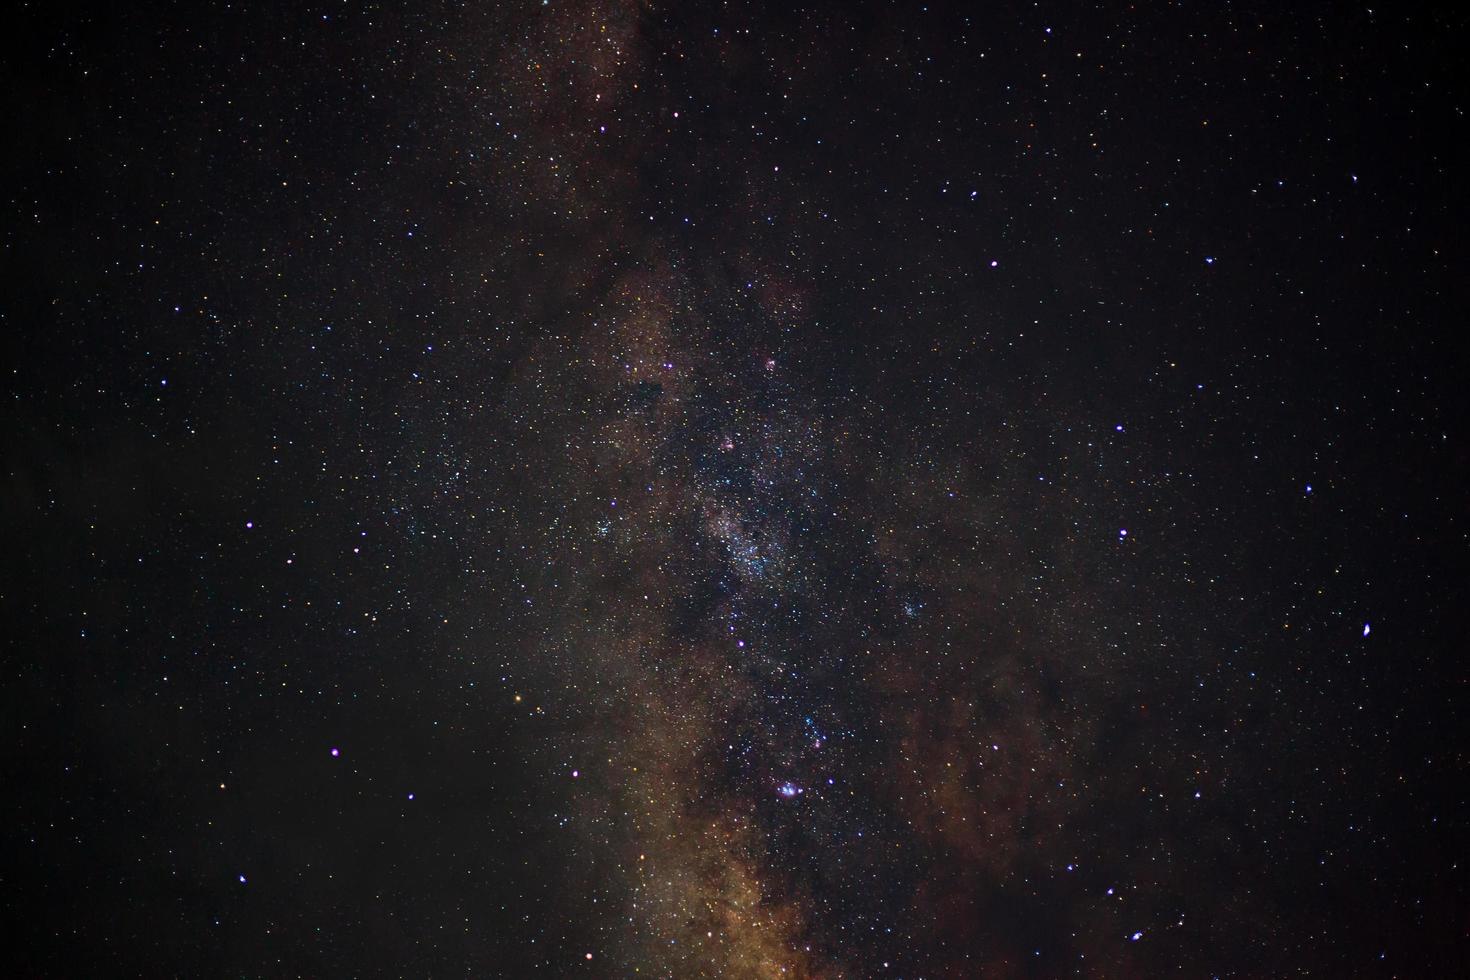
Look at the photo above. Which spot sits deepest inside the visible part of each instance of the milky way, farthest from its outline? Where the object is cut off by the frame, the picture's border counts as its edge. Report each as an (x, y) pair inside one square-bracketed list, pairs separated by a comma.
[(616, 489)]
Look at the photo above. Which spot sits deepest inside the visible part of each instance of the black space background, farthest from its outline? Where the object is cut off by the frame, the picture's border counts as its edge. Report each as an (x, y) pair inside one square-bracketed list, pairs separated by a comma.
[(214, 313)]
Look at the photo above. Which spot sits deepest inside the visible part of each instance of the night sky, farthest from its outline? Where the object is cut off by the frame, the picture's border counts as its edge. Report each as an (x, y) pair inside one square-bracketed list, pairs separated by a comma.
[(694, 490)]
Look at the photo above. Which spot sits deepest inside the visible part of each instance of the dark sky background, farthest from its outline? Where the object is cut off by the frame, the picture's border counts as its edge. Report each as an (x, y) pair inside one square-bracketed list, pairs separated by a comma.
[(691, 490)]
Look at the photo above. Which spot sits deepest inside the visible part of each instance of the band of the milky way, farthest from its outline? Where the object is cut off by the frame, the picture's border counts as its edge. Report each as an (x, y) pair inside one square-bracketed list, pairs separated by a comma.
[(678, 490)]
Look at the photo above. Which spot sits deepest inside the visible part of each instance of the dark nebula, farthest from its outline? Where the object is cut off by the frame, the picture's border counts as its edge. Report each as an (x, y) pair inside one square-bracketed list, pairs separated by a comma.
[(693, 490)]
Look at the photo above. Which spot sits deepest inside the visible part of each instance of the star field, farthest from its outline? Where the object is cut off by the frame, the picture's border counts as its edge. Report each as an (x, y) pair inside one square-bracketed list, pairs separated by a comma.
[(624, 489)]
